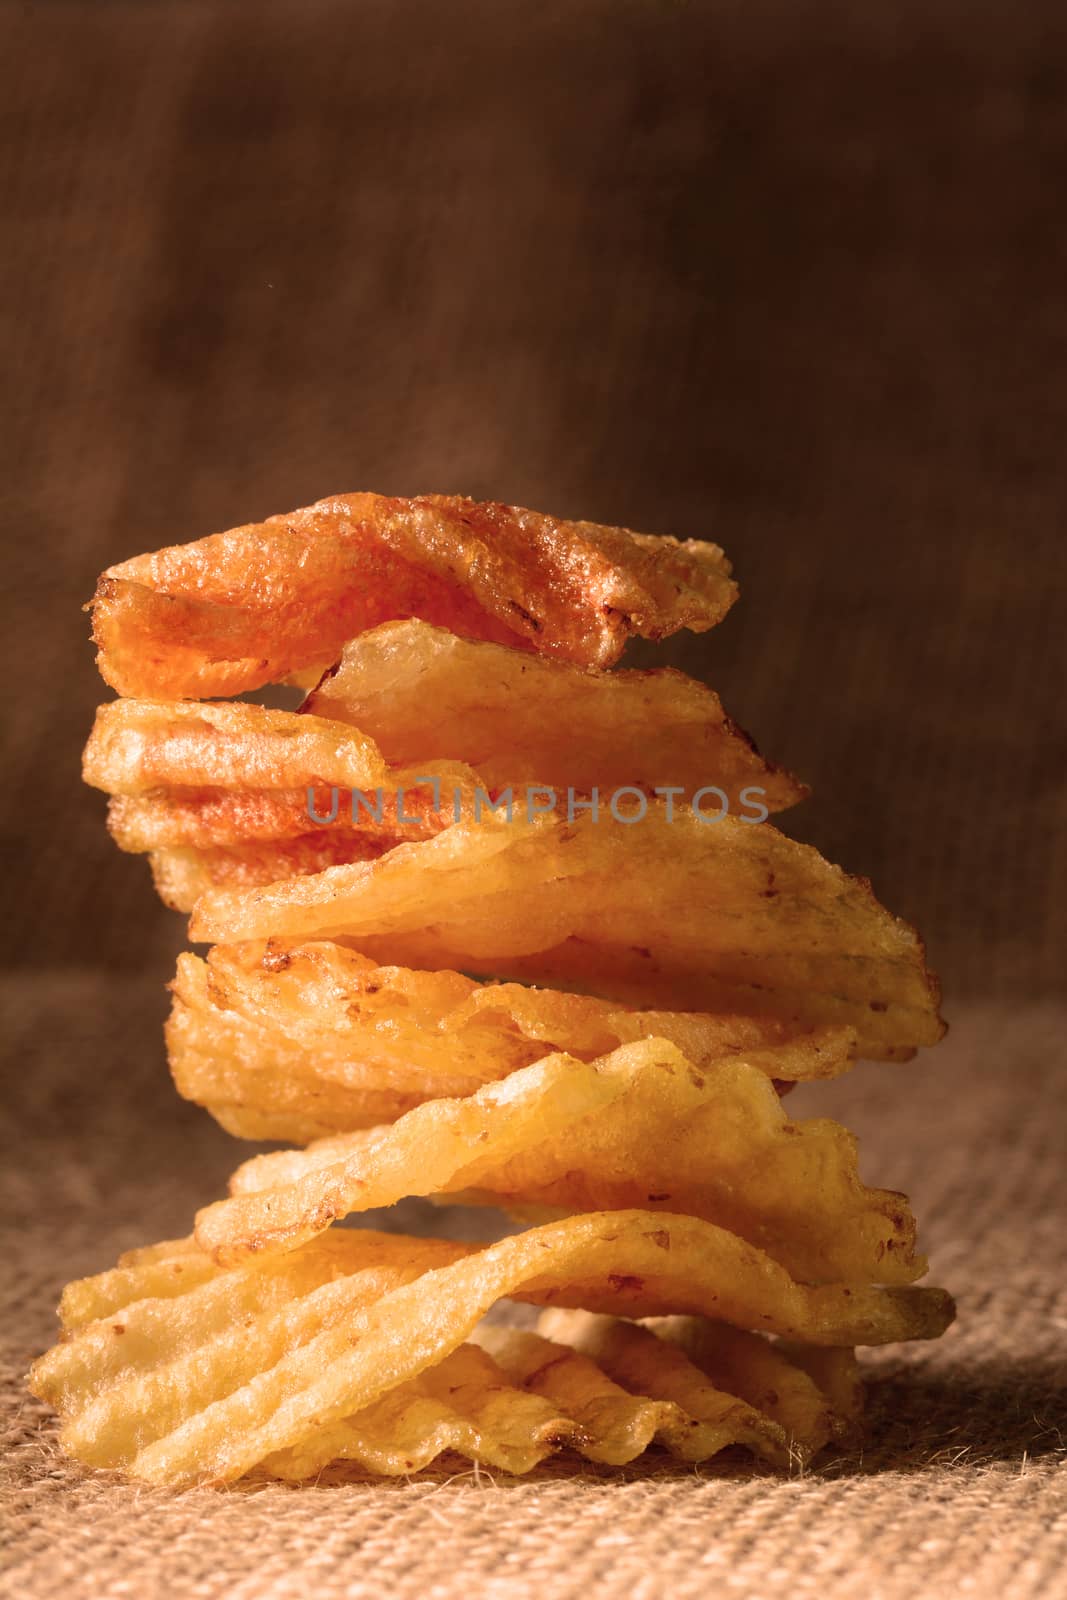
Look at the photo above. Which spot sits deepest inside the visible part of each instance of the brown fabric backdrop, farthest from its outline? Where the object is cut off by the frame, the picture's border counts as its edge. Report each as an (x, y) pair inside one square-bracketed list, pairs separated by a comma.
[(785, 274)]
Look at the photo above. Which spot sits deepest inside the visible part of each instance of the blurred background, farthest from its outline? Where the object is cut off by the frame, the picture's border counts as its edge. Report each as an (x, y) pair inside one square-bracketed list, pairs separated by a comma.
[(785, 275)]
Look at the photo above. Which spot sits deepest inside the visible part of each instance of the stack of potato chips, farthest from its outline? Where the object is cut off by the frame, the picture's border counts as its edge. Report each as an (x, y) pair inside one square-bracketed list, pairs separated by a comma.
[(491, 922)]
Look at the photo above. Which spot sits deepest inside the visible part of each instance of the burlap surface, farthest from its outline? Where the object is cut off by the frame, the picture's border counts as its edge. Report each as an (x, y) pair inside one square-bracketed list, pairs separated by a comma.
[(788, 274)]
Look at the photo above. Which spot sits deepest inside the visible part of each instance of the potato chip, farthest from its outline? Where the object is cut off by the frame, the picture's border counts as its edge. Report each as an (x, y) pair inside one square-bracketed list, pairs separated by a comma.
[(511, 1398), (465, 1405), (175, 1267), (139, 746), (207, 1384), (667, 913), (221, 777), (507, 1400), (439, 1145), (669, 1401), (638, 1127), (835, 1373), (154, 1271), (182, 874), (811, 1403), (261, 603), (295, 1041), (679, 1355), (206, 819), (425, 696), (203, 776), (238, 795)]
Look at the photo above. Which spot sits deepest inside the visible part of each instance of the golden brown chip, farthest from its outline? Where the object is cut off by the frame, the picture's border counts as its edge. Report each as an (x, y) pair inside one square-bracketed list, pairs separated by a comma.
[(427, 696), (206, 819), (441, 1144), (814, 1400), (185, 775), (668, 1400), (511, 1397), (297, 1040), (679, 914), (208, 1383), (139, 746), (175, 1267), (835, 1373), (222, 777), (507, 1400), (153, 1271), (680, 1354), (262, 602), (638, 1127), (237, 795), (182, 874), (465, 1405)]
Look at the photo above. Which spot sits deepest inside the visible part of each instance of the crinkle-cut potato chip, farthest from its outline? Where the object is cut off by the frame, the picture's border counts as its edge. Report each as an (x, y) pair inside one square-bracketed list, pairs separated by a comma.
[(185, 774), (174, 1267), (181, 875), (222, 795), (661, 1397), (207, 819), (639, 1127), (262, 603), (679, 1353), (466, 1406), (680, 914), (795, 1384), (439, 1145), (511, 1397), (225, 1369), (836, 1373), (137, 747), (296, 1041), (426, 695), (507, 1400)]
